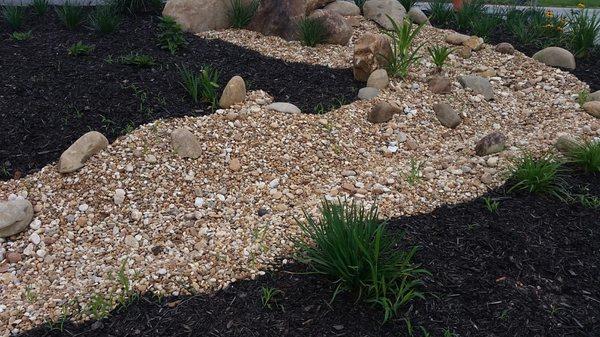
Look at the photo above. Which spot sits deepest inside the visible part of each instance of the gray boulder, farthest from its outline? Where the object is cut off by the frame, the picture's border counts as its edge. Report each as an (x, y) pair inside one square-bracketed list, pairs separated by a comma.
[(185, 144), (417, 16), (379, 10), (555, 57), (15, 216), (79, 152), (595, 96), (344, 8), (447, 116), (368, 93), (478, 84)]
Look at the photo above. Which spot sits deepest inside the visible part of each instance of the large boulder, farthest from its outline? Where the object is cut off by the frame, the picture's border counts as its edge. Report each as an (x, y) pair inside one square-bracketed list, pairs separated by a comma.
[(595, 96), (382, 112), (79, 152), (417, 16), (234, 92), (344, 8), (478, 84), (339, 31), (505, 48), (185, 144), (592, 108), (281, 17), (200, 15), (555, 57), (370, 53), (15, 216), (447, 116), (379, 10)]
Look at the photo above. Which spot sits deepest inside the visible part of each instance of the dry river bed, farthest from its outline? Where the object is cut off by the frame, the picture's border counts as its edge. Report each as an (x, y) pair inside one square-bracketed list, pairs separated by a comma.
[(197, 225)]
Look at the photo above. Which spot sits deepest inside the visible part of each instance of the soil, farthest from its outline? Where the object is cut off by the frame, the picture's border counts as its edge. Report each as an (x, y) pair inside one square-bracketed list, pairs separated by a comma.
[(587, 70), (48, 99), (529, 269)]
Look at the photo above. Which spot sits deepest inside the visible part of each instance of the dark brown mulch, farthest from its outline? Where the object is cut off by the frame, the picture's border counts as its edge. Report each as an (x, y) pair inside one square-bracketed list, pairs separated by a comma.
[(48, 99), (532, 269)]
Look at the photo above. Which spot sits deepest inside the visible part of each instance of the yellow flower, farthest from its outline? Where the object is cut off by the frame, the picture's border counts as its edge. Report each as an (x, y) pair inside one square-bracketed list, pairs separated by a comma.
[(549, 13), (581, 5)]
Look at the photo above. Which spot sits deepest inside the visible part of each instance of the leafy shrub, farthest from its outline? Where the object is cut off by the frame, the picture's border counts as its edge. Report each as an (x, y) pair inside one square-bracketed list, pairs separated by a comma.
[(171, 36), (585, 155), (407, 4), (203, 85), (104, 19), (40, 7), (312, 32), (14, 16), (241, 14), (537, 175), (80, 48), (472, 11), (71, 16), (138, 60), (21, 36), (439, 55), (441, 13), (585, 28), (484, 25), (353, 247), (403, 53)]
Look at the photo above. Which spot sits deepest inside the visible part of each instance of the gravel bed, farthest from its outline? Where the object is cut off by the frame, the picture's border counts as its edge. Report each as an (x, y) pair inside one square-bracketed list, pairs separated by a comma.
[(194, 225)]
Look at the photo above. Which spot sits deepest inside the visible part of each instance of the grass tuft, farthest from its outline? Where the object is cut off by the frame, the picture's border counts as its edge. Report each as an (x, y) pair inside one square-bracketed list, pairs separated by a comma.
[(14, 16), (241, 14), (20, 36), (312, 32), (585, 155), (71, 16), (439, 55), (404, 55), (138, 60), (105, 19), (407, 4), (202, 86), (80, 49), (538, 175), (353, 247), (40, 7)]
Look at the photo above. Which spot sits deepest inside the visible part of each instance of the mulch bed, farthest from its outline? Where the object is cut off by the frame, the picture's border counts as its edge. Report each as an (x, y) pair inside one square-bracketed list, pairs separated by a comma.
[(587, 70), (531, 269), (48, 99)]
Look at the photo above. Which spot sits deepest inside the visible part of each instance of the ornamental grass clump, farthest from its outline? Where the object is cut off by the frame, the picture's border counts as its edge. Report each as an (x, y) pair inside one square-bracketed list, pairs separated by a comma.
[(201, 86), (138, 60), (439, 55), (171, 36), (40, 7), (538, 175), (312, 32), (441, 13), (241, 14), (585, 155), (71, 16), (404, 54), (14, 16), (353, 247), (471, 11), (104, 19), (80, 49), (584, 29)]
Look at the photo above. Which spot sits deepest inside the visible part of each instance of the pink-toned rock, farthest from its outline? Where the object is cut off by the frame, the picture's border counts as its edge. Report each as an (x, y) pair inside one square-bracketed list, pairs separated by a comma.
[(370, 53), (13, 257), (339, 31), (200, 15)]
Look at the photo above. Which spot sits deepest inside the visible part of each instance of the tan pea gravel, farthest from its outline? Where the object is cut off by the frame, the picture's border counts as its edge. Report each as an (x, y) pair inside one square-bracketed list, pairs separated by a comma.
[(193, 226)]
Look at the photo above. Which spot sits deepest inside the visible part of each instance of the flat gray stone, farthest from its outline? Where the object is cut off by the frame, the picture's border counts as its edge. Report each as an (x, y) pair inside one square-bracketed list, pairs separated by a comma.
[(15, 217), (479, 85), (368, 93), (284, 107), (447, 116)]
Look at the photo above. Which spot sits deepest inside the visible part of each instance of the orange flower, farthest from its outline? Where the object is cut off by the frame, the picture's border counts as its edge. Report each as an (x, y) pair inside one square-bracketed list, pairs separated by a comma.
[(549, 13)]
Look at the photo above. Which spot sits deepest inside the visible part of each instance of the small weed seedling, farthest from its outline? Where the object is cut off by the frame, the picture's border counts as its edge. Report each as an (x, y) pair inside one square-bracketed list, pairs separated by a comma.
[(583, 97), (40, 7), (449, 333), (268, 295), (99, 306), (14, 16), (241, 14), (414, 175), (171, 36), (30, 295), (491, 204), (21, 36), (312, 32), (71, 16), (439, 55), (589, 201), (138, 60), (80, 49)]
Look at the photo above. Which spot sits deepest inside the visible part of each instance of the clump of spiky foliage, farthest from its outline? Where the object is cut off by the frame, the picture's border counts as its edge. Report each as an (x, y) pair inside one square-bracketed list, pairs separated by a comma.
[(471, 11), (585, 155), (136, 6), (539, 175), (240, 14), (80, 49), (105, 19), (40, 7), (171, 35), (441, 13), (585, 29), (138, 60), (201, 86), (21, 36), (312, 32), (404, 54), (14, 16), (71, 16), (439, 55), (352, 246)]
